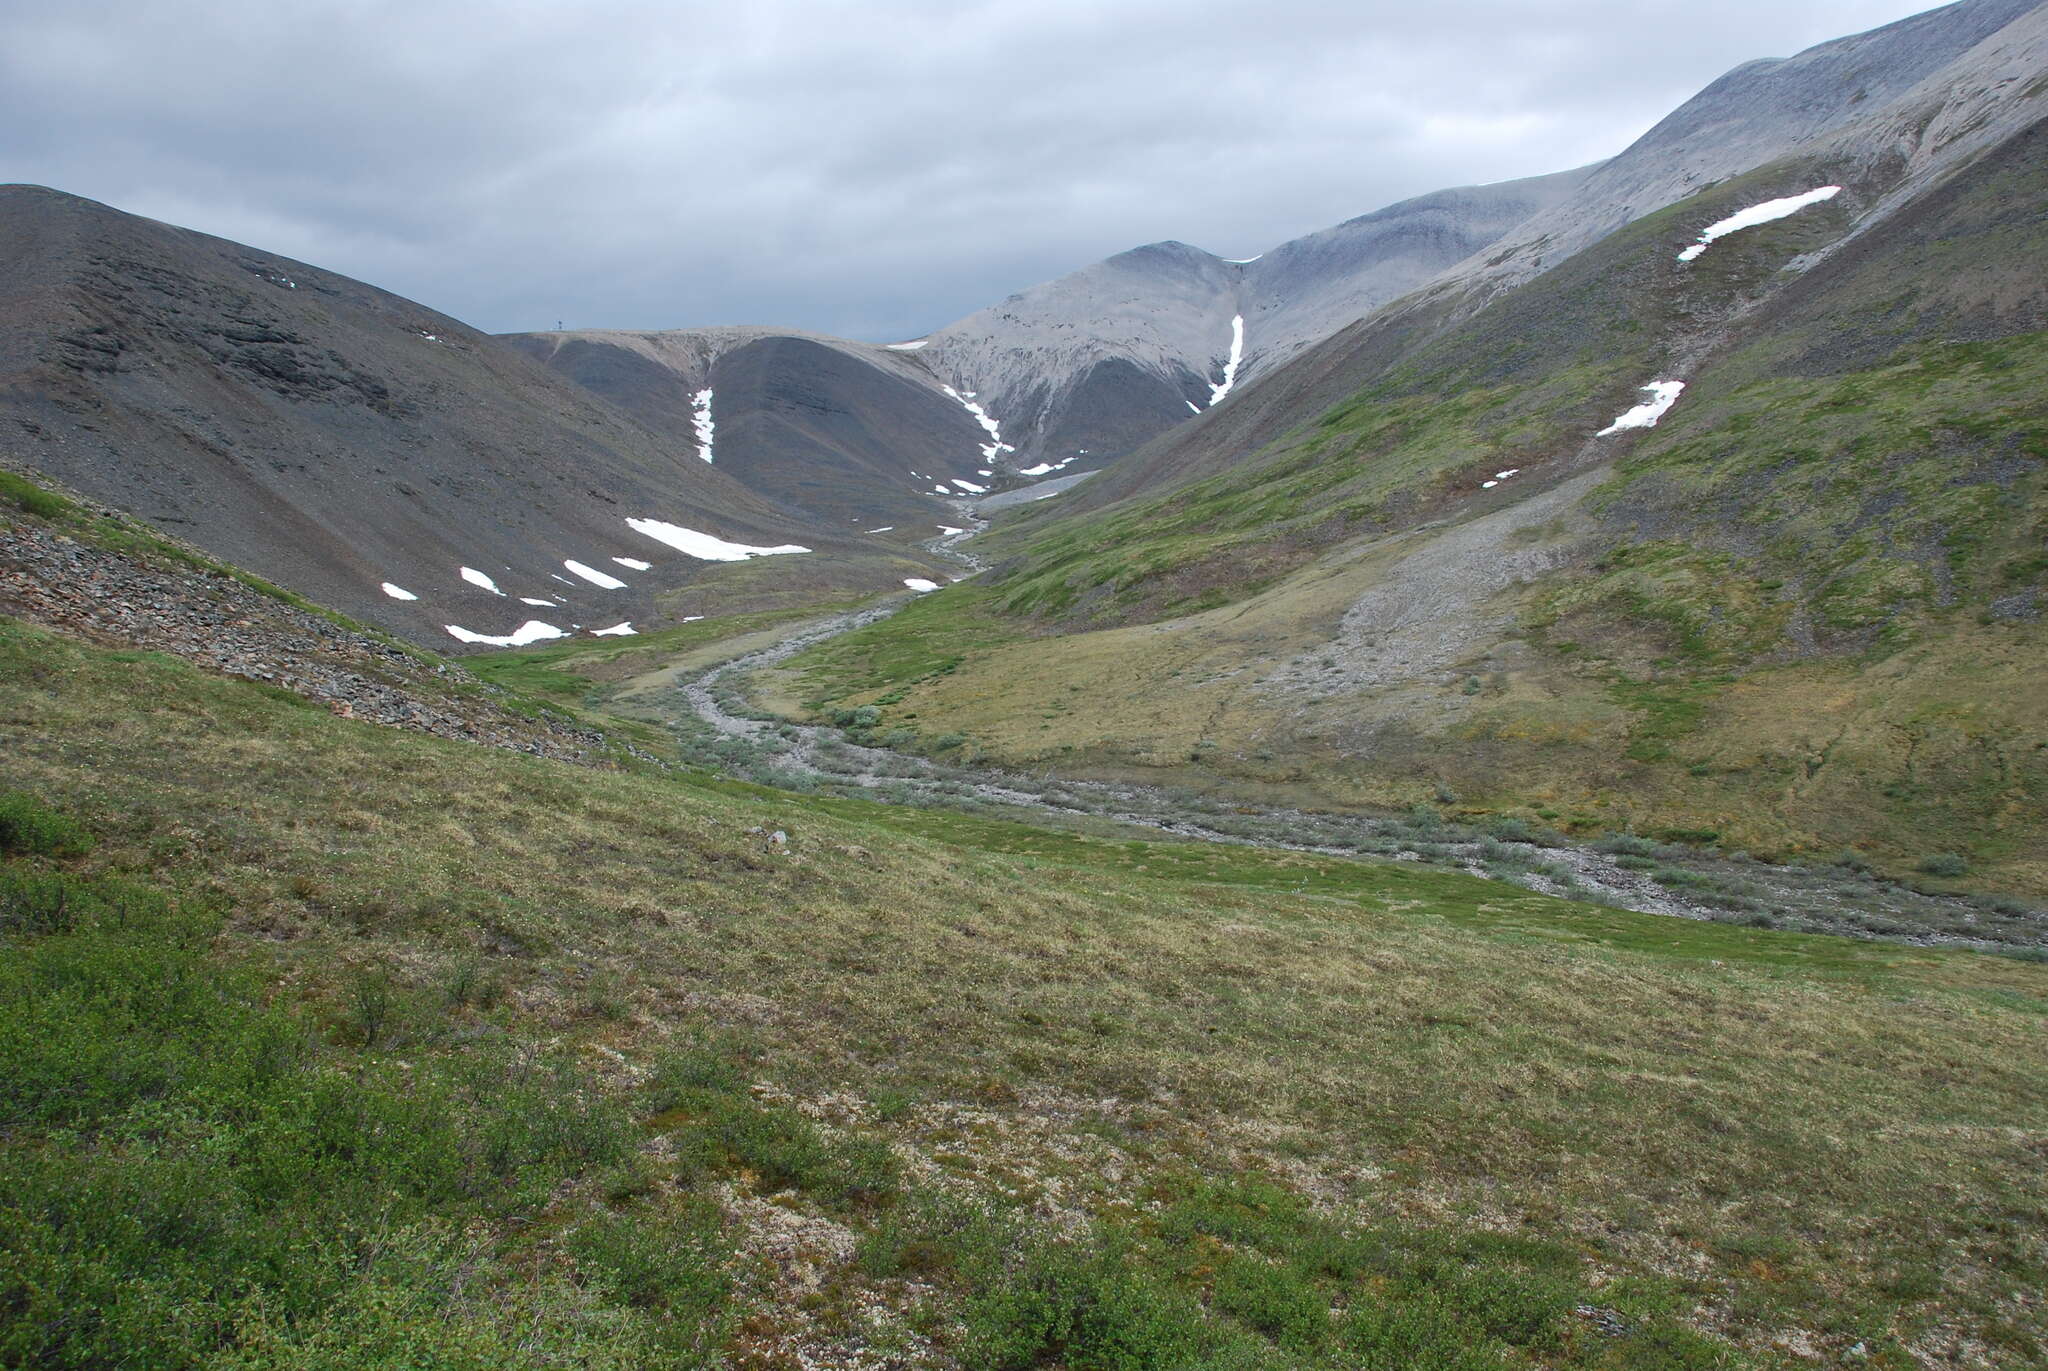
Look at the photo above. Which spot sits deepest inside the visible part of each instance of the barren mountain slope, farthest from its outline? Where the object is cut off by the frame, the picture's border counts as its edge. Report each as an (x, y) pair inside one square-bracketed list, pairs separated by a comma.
[(337, 438), (1066, 376), (850, 433)]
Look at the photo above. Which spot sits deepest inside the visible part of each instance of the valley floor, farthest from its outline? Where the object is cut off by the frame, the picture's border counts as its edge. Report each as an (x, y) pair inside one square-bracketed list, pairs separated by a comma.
[(327, 1043)]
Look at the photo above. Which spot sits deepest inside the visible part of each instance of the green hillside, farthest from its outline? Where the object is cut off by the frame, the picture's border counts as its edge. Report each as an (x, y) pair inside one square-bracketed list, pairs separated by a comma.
[(333, 1045), (1802, 613)]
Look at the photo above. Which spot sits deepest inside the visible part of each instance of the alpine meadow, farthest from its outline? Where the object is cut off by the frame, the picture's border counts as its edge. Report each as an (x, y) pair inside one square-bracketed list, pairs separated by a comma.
[(1468, 792)]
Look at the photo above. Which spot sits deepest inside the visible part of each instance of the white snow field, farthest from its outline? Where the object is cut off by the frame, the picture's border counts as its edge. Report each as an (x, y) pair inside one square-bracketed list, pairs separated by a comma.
[(532, 631), (1758, 214), (1663, 394), (602, 580), (703, 546)]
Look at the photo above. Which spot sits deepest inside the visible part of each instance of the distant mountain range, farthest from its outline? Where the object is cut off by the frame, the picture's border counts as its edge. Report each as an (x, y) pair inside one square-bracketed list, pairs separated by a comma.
[(1711, 501), (339, 439)]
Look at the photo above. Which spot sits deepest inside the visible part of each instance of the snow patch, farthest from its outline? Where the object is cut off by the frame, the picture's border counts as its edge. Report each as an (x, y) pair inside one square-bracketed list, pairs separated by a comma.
[(624, 630), (543, 604), (634, 564), (702, 545), (919, 584), (1222, 388), (1663, 394), (477, 578), (907, 347), (995, 446), (1244, 261), (1044, 467), (951, 532), (1193, 408), (969, 485), (700, 421), (398, 592), (603, 580), (1758, 214), (532, 631), (885, 528), (691, 618)]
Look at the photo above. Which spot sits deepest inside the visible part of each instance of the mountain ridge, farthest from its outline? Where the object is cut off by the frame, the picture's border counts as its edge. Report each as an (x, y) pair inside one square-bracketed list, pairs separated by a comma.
[(336, 438)]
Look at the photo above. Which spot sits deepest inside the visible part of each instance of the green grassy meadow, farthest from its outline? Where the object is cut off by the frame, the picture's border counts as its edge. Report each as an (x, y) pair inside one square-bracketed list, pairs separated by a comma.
[(357, 1040)]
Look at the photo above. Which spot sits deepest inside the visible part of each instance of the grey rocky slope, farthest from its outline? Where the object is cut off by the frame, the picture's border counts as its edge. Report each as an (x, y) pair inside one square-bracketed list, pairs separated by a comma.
[(854, 435), (1079, 371), (1896, 111), (1066, 376), (1151, 332), (1863, 93), (335, 437)]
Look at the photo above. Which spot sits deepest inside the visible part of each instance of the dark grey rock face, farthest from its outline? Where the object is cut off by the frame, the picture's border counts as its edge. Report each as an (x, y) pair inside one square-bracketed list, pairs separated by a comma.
[(847, 434), (828, 431), (331, 436)]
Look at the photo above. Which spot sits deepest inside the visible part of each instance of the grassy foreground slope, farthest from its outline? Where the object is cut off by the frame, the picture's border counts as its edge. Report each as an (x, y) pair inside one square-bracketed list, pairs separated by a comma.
[(328, 1044), (1803, 613)]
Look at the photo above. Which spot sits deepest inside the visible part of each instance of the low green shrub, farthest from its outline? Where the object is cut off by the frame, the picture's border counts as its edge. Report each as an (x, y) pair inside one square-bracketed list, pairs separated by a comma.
[(1276, 1301), (1079, 1305), (669, 1259), (30, 498), (722, 1127), (191, 1175), (29, 827)]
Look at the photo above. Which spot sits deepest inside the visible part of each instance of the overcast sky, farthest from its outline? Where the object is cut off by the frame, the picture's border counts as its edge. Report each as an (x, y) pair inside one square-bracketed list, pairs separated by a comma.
[(869, 169)]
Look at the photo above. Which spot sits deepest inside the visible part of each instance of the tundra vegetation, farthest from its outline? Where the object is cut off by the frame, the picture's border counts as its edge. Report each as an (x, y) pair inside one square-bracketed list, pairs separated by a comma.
[(328, 1043)]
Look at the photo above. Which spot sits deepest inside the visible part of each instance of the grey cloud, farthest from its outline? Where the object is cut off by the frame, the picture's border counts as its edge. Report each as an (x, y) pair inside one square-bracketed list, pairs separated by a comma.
[(874, 170)]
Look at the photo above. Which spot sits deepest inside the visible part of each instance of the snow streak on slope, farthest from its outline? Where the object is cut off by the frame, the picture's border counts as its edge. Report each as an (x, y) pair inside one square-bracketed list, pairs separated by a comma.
[(477, 578), (1222, 388), (1663, 394), (995, 446), (1758, 214), (703, 545), (398, 592), (603, 580), (532, 631), (700, 420)]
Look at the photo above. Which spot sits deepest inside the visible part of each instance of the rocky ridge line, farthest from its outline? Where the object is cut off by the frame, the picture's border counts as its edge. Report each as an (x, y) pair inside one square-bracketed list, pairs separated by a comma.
[(216, 622)]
